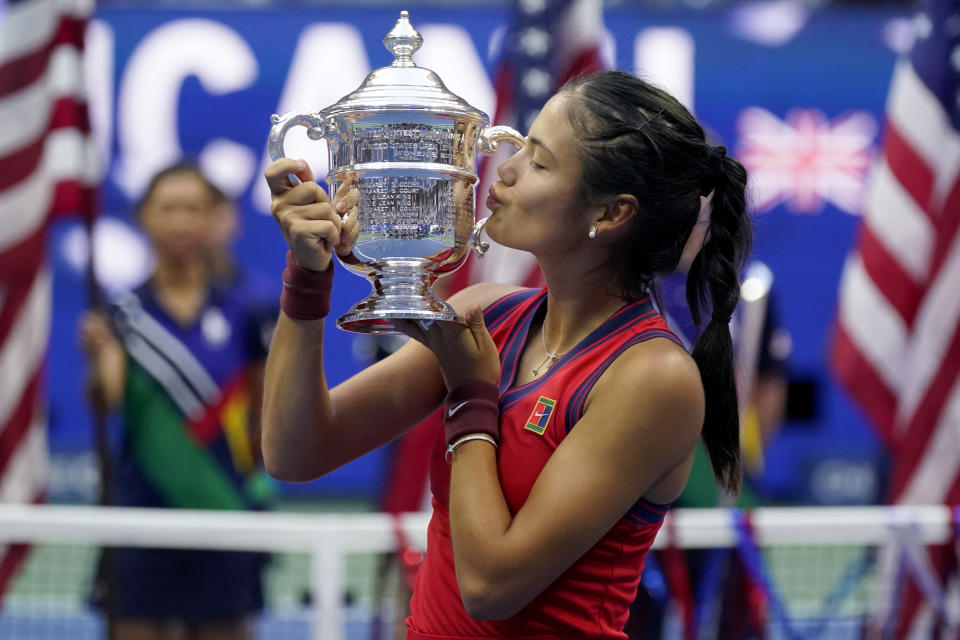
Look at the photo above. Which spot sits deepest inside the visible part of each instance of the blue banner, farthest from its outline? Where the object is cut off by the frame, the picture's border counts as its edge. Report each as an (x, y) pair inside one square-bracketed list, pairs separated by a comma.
[(796, 95)]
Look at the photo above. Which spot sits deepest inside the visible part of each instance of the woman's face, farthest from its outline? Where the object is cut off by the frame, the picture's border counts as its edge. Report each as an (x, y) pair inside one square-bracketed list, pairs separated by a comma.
[(536, 205), (176, 217)]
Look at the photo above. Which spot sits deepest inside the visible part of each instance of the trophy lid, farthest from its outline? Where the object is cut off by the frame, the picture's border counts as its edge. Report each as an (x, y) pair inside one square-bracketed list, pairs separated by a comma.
[(403, 85)]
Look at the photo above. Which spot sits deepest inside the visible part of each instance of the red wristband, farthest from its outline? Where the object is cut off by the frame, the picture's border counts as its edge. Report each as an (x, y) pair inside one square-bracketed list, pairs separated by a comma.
[(306, 294), (473, 407)]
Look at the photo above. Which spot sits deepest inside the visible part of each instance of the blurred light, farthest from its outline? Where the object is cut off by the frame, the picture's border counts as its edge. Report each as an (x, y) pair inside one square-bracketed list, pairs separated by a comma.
[(922, 25), (532, 6), (229, 165), (757, 283), (899, 34), (495, 46), (123, 257), (770, 23), (842, 481), (663, 56), (781, 344)]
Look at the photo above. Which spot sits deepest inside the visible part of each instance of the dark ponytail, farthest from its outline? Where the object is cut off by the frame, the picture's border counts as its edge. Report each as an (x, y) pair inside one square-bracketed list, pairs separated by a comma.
[(713, 286), (635, 138)]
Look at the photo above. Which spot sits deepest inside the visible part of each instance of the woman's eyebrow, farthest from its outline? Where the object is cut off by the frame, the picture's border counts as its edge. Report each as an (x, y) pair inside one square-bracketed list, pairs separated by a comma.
[(538, 142)]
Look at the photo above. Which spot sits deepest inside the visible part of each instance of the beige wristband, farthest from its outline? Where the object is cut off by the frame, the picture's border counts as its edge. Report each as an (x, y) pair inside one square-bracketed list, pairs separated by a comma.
[(467, 438)]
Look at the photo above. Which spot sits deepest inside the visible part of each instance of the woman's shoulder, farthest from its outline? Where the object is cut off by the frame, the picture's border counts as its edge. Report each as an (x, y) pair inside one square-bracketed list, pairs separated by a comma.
[(659, 375), (482, 294), (659, 359)]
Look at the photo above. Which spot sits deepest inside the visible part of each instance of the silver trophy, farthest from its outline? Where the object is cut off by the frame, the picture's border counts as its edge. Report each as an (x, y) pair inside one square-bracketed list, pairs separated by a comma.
[(412, 145)]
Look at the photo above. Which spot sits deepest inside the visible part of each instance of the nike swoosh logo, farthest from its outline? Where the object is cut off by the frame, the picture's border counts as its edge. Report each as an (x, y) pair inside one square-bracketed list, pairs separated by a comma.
[(453, 410), (538, 415)]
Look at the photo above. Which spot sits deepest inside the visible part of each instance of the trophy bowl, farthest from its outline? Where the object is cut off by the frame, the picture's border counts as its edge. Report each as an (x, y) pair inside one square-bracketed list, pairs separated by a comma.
[(411, 146)]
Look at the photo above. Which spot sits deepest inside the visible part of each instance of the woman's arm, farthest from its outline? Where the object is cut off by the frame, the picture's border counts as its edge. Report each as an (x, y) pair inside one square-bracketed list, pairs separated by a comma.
[(642, 420), (308, 429)]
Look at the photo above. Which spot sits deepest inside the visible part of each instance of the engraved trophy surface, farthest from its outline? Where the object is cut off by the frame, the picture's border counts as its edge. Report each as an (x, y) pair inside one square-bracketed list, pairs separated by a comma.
[(412, 146)]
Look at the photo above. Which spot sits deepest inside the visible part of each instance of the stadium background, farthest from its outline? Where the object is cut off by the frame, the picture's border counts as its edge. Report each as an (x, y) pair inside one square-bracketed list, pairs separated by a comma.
[(798, 89)]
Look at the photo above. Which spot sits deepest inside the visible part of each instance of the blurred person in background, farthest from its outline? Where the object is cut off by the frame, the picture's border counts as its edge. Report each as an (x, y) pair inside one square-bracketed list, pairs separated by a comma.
[(762, 346), (554, 468), (180, 358), (226, 271)]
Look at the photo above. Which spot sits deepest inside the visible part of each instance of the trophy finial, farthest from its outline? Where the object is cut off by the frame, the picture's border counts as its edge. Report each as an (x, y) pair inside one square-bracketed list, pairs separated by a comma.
[(402, 41)]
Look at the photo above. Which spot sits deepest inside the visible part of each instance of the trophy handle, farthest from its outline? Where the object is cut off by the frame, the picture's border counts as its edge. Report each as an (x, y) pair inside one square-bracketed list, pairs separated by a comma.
[(479, 247), (491, 137), (487, 142), (313, 122)]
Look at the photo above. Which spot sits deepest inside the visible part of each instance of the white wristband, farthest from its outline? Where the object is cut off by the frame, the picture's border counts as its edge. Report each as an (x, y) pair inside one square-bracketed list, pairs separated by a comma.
[(467, 438)]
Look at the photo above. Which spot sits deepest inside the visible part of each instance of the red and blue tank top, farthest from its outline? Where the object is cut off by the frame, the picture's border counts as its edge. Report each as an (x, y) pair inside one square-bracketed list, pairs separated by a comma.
[(592, 598)]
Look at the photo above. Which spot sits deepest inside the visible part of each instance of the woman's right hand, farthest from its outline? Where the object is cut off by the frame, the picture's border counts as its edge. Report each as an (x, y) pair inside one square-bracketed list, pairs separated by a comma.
[(107, 370), (95, 335), (313, 227)]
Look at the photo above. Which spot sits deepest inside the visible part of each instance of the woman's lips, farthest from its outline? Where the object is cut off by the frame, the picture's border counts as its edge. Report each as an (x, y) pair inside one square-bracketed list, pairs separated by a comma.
[(492, 199)]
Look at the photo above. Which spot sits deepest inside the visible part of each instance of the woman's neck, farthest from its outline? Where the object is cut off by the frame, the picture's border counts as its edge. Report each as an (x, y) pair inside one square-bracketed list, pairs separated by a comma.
[(181, 288), (576, 305)]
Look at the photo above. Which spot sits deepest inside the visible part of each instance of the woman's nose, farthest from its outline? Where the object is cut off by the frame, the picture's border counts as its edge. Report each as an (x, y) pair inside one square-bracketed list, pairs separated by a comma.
[(506, 170)]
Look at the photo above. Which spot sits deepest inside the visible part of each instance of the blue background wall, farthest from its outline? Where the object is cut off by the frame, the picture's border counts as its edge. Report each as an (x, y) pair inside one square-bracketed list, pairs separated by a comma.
[(834, 63)]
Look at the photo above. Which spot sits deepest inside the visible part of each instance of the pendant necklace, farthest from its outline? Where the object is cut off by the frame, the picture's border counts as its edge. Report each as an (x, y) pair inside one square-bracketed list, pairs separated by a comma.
[(551, 357)]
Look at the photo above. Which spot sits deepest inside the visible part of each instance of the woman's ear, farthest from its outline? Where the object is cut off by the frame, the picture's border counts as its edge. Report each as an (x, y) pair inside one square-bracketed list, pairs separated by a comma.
[(616, 215)]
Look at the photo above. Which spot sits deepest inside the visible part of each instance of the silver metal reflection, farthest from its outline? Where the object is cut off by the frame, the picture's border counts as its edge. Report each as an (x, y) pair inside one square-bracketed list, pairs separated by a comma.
[(412, 146)]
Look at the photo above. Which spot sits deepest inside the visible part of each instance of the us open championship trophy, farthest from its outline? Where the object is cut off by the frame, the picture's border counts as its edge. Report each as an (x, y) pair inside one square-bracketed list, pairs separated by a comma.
[(412, 146)]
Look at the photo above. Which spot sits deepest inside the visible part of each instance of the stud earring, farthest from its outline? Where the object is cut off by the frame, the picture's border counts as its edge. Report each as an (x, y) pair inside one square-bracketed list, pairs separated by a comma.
[(593, 231)]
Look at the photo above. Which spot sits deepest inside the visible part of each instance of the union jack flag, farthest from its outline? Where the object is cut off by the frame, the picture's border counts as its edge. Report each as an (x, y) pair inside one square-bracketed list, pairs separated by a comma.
[(46, 169), (806, 161), (897, 343)]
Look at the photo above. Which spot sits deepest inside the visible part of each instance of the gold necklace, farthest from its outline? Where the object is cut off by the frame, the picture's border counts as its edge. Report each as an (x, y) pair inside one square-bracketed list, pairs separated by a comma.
[(551, 357)]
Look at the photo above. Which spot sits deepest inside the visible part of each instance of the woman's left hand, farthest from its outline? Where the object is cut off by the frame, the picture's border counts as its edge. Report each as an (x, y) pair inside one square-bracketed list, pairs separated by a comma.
[(465, 353)]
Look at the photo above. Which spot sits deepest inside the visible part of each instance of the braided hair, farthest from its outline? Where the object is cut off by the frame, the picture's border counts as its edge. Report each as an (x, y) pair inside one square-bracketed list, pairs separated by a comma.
[(635, 138)]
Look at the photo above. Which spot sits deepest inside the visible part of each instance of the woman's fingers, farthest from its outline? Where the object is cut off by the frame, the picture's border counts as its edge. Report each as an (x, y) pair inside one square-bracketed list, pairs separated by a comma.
[(347, 195), (349, 231), (313, 226), (95, 333), (304, 213), (411, 329), (278, 174), (308, 193), (478, 329)]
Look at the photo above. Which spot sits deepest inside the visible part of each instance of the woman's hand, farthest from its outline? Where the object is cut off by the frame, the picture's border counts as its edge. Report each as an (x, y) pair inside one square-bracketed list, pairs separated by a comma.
[(95, 335), (313, 227), (107, 371), (465, 353)]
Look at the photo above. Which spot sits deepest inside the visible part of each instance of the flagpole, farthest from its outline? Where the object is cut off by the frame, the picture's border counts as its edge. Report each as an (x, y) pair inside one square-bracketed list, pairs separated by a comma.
[(100, 413)]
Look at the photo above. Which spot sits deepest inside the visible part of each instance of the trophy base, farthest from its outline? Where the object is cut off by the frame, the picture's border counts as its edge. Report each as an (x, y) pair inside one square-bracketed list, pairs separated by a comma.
[(401, 290), (378, 322)]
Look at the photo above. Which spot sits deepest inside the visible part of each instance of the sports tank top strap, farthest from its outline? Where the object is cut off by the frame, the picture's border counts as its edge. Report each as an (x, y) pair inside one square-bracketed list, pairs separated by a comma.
[(502, 308), (645, 323)]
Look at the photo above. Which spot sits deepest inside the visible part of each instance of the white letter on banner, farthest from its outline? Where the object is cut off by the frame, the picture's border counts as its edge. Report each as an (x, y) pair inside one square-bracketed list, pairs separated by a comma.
[(98, 67), (663, 56), (314, 83), (149, 92)]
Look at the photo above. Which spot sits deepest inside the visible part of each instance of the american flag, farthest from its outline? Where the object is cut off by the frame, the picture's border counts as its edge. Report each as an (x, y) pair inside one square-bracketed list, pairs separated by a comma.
[(549, 42), (897, 344), (46, 169)]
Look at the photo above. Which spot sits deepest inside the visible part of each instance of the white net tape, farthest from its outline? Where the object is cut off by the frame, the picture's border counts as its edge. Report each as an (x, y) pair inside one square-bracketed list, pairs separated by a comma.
[(816, 569)]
